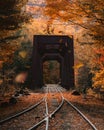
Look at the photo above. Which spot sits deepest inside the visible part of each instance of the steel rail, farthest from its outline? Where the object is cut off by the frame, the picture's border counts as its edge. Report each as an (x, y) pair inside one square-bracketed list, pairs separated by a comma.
[(49, 115), (43, 120), (58, 108), (46, 105), (22, 112), (82, 115), (46, 118), (62, 102), (38, 124)]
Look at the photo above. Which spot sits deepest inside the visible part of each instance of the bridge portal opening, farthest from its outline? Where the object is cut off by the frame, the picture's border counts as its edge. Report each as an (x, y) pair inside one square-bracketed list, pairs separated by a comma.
[(51, 72), (53, 47)]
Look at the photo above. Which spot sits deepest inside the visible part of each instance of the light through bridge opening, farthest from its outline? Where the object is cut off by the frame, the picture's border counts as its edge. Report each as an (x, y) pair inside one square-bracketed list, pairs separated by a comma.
[(51, 72)]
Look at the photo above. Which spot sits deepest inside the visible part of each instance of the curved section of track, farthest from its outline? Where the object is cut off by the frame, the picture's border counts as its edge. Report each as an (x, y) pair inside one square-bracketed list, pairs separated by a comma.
[(49, 114), (54, 104), (18, 120), (76, 109), (22, 112)]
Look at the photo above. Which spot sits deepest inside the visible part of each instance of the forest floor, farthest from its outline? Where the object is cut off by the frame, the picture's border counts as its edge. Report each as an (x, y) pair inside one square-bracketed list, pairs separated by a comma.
[(92, 107)]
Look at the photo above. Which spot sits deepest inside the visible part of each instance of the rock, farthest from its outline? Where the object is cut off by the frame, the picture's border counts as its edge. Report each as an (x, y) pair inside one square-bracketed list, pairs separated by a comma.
[(26, 93), (37, 117), (75, 92), (13, 100), (16, 94), (21, 91)]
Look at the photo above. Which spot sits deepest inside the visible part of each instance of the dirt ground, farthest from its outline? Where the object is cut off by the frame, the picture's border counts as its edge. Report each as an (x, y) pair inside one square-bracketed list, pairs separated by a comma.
[(93, 108)]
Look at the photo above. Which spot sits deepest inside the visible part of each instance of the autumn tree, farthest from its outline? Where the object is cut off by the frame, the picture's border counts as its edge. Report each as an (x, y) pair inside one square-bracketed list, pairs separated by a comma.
[(86, 14), (12, 17), (98, 68), (22, 56)]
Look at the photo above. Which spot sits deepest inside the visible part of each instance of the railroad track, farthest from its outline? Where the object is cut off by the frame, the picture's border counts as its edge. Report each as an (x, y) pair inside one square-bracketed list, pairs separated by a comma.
[(50, 114), (15, 122)]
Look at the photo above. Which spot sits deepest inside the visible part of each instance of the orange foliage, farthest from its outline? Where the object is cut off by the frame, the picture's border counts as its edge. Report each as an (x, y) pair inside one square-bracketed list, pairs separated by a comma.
[(99, 63)]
